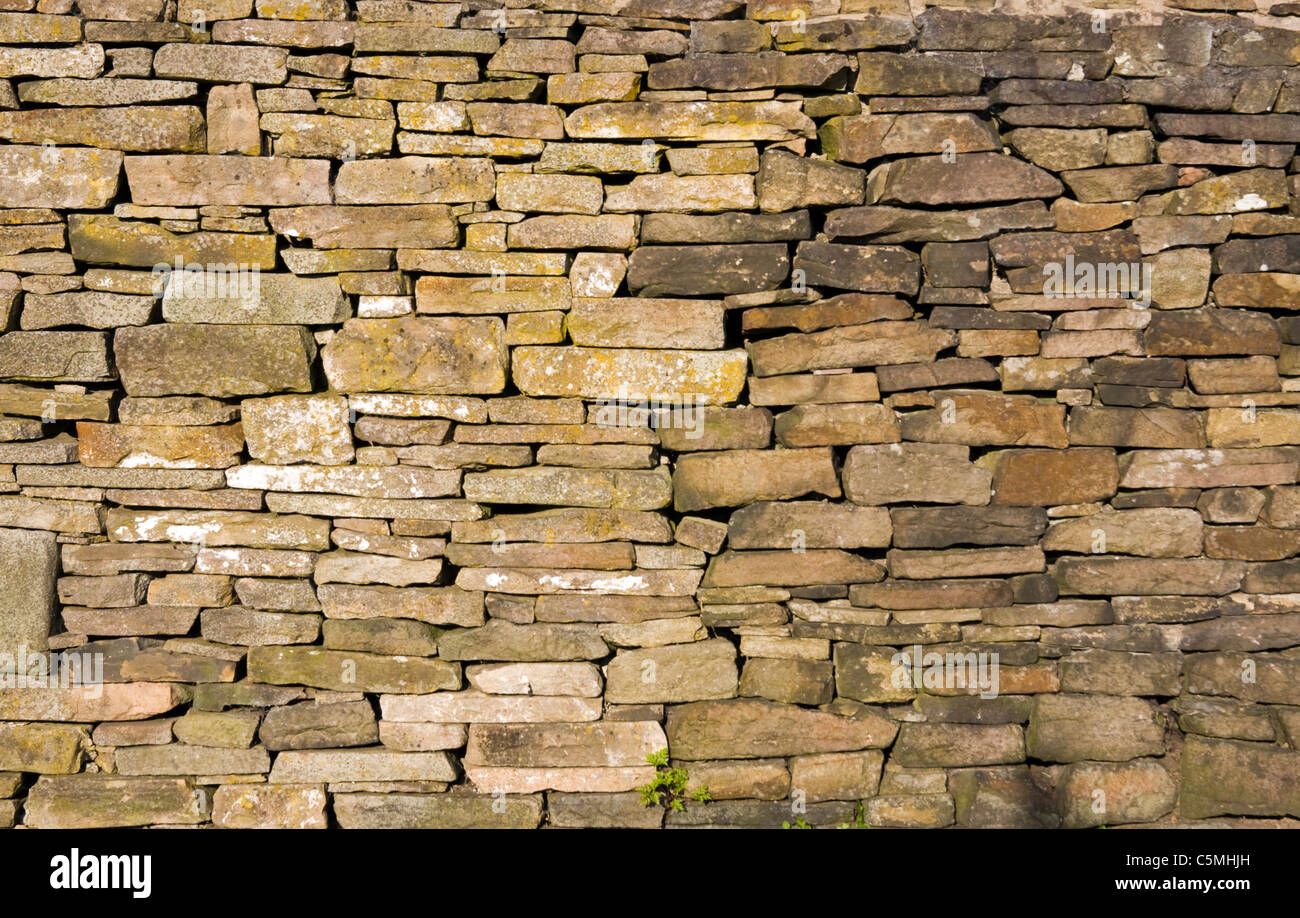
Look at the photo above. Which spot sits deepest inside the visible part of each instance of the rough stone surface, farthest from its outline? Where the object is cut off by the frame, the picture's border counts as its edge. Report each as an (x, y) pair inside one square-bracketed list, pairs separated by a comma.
[(420, 414), (28, 565)]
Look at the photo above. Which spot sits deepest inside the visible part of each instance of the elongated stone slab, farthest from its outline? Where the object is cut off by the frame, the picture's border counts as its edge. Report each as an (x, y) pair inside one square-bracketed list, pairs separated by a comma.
[(46, 749), (96, 801), (706, 270), (443, 510), (105, 91), (84, 60), (213, 528), (697, 121), (751, 729), (438, 811), (567, 525), (222, 62), (746, 568), (58, 515), (531, 581), (514, 779), (699, 377), (91, 309), (183, 759), (969, 178), (981, 419), (1226, 777), (636, 322), (48, 176), (282, 806), (1072, 728), (418, 354), (733, 478), (92, 703), (343, 670), (145, 129), (1103, 576), (476, 707), (579, 679), (337, 765), (359, 481), (850, 346), (214, 360), (948, 745), (559, 486), (809, 524), (897, 224), (146, 446), (32, 401), (346, 227), (101, 239), (55, 356), (414, 180), (263, 299), (16, 28), (602, 744), (435, 605), (1208, 468), (192, 181)]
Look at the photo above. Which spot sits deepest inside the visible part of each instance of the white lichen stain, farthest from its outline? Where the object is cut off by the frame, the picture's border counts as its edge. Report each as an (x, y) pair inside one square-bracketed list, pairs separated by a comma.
[(619, 584)]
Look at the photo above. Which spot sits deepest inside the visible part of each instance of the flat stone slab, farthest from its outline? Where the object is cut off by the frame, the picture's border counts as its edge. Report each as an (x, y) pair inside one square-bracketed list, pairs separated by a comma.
[(29, 562)]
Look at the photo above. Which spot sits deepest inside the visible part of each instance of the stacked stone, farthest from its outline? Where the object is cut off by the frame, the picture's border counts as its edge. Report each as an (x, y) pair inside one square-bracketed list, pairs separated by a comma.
[(371, 536)]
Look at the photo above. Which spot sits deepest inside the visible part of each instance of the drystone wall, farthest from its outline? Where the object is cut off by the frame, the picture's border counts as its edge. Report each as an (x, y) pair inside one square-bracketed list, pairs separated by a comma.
[(426, 414)]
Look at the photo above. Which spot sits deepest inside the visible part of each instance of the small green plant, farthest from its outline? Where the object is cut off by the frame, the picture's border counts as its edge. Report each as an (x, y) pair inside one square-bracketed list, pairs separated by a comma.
[(668, 789), (799, 823), (859, 819)]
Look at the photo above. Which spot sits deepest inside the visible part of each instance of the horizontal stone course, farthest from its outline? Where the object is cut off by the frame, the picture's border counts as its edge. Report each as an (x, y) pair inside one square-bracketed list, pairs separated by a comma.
[(429, 415)]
